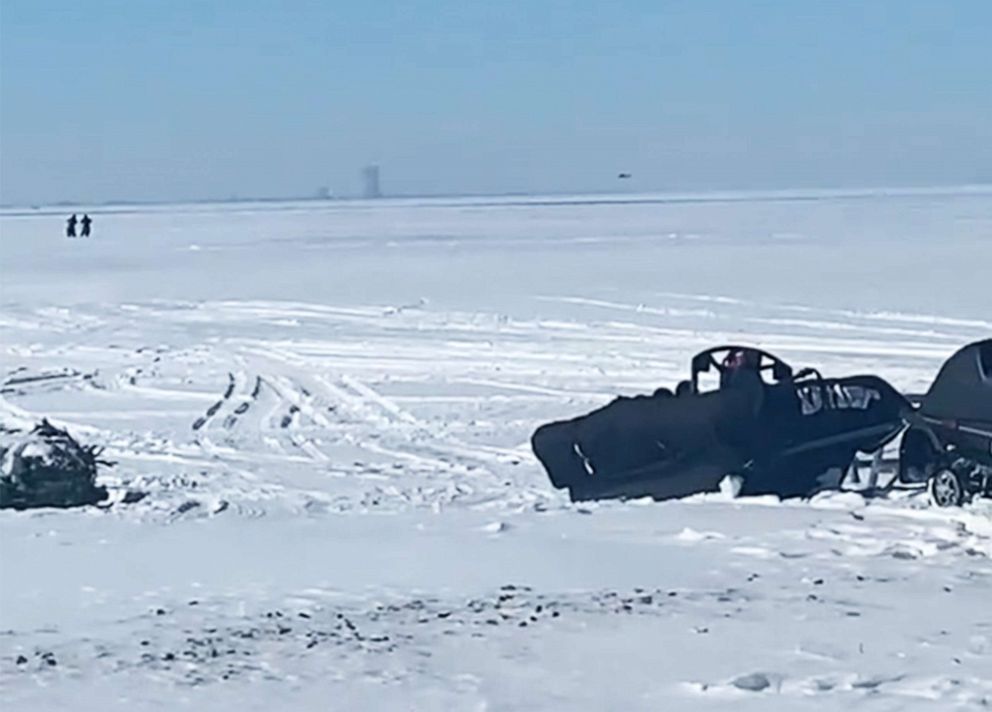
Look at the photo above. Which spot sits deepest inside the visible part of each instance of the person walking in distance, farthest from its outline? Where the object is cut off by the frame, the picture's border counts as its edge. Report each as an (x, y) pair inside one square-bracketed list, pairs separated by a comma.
[(85, 222), (70, 226)]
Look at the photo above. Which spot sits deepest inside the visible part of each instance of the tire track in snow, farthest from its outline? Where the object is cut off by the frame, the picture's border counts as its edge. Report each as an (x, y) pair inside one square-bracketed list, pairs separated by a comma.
[(367, 405), (215, 408)]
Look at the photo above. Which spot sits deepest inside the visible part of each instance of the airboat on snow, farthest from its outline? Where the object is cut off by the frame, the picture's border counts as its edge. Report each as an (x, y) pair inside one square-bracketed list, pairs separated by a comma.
[(778, 430)]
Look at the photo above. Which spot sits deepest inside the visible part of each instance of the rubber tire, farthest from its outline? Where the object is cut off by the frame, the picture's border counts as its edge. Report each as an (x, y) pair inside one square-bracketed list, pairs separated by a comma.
[(945, 488)]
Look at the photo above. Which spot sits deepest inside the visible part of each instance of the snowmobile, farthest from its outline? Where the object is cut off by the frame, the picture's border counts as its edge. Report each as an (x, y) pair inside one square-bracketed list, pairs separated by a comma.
[(777, 430), (948, 443)]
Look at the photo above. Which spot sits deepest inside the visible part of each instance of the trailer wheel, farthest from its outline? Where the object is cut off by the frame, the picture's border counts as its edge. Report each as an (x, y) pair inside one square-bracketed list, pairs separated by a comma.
[(946, 488)]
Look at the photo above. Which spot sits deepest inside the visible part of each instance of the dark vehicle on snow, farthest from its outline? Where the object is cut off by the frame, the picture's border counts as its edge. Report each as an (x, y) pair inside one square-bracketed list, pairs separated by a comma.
[(949, 442), (781, 432)]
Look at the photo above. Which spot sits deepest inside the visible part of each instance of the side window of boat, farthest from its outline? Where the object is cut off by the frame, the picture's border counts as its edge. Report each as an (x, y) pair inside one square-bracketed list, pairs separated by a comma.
[(985, 358)]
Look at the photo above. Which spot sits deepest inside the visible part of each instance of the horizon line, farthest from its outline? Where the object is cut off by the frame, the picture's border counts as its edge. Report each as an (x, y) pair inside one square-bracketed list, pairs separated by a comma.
[(695, 195)]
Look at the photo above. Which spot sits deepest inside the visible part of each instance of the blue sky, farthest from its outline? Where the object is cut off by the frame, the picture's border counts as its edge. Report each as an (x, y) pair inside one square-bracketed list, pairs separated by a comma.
[(178, 99)]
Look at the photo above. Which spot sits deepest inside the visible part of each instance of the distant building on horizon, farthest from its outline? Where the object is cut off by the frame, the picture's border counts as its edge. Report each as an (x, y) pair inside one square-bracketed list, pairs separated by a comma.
[(370, 176)]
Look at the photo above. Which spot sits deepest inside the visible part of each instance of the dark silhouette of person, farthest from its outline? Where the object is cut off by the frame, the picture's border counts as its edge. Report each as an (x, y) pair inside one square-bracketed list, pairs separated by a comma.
[(70, 226), (85, 222), (740, 365)]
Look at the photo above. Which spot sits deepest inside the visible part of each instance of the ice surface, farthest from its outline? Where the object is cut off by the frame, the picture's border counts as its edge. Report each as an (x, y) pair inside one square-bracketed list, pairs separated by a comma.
[(329, 406)]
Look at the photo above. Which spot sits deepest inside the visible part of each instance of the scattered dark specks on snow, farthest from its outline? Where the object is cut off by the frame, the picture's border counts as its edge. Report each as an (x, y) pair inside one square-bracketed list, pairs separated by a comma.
[(377, 630)]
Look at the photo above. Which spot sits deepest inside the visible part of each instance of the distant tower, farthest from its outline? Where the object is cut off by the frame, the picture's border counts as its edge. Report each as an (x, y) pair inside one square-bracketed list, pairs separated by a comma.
[(370, 174)]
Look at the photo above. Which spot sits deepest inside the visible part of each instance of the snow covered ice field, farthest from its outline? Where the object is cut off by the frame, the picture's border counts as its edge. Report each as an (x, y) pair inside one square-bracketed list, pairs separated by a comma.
[(328, 406)]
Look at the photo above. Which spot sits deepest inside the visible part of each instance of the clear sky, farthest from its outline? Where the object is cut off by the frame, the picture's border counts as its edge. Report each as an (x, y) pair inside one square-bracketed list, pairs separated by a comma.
[(179, 99)]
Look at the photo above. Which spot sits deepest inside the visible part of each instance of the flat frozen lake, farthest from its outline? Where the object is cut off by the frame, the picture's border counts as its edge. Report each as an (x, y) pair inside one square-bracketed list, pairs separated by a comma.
[(329, 406)]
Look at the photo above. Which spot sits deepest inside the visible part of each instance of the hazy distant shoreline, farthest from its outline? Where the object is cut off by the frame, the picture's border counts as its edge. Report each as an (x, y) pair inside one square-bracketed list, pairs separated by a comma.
[(509, 199)]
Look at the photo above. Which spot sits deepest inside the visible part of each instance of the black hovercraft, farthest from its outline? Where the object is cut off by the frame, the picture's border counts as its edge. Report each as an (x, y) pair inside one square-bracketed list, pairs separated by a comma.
[(781, 432)]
